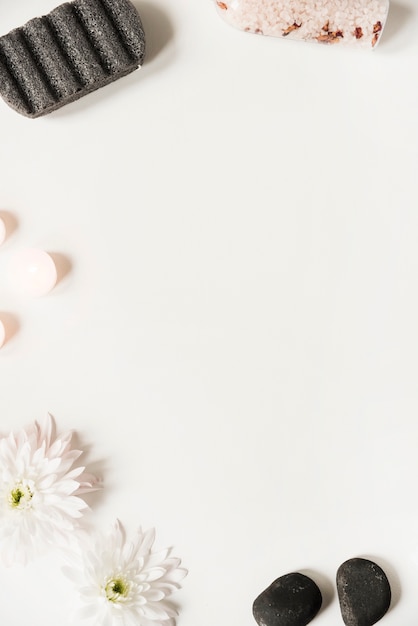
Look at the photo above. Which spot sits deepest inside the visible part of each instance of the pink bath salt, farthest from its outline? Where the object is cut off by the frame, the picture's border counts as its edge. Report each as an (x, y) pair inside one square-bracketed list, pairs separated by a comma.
[(354, 22)]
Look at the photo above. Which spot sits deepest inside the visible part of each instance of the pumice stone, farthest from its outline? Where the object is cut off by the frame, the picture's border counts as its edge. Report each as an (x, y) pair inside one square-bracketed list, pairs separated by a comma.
[(60, 57), (291, 600), (363, 591), (357, 22)]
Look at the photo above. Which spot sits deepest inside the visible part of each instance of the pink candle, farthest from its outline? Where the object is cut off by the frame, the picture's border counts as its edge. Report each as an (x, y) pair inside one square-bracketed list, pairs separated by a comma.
[(33, 272), (2, 230), (2, 334)]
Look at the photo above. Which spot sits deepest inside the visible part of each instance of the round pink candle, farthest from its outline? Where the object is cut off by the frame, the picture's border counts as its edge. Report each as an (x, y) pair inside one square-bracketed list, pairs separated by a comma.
[(2, 334), (2, 230), (34, 272)]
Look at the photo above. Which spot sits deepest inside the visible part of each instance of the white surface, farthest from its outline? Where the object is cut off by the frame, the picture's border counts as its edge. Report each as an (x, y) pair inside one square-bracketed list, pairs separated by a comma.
[(235, 338)]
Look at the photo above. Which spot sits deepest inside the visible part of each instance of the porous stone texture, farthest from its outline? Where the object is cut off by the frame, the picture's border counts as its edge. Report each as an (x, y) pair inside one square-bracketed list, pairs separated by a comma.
[(291, 600), (363, 591), (357, 22), (60, 57)]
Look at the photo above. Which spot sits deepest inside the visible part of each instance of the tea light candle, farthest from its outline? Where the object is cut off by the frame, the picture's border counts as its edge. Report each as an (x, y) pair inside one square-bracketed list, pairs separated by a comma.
[(2, 230), (34, 272)]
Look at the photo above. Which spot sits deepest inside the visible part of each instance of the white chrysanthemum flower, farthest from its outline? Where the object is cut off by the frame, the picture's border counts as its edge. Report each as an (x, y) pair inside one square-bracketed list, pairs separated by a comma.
[(125, 582), (39, 489)]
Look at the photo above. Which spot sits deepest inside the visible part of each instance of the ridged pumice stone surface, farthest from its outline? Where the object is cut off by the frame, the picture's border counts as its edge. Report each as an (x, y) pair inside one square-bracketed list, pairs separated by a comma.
[(77, 48)]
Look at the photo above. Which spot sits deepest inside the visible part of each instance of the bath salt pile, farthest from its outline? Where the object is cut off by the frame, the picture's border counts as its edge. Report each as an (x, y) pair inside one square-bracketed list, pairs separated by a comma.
[(358, 22)]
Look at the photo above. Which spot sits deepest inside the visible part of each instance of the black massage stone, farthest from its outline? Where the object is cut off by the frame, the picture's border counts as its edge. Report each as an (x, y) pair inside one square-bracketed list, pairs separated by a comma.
[(60, 57), (291, 600), (364, 592)]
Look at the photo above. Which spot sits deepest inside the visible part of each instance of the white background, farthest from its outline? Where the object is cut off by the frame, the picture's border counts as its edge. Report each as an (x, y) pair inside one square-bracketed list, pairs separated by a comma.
[(236, 342)]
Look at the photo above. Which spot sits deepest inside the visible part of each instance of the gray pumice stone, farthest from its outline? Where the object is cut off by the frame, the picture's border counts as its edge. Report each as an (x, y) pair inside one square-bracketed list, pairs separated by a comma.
[(291, 600), (75, 49), (363, 591)]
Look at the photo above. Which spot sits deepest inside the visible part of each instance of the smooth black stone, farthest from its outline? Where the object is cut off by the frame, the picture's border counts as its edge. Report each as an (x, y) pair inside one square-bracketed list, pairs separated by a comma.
[(363, 591), (291, 600)]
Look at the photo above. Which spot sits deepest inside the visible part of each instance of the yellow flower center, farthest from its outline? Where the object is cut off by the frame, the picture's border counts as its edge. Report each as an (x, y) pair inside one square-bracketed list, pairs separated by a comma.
[(117, 589), (20, 497)]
